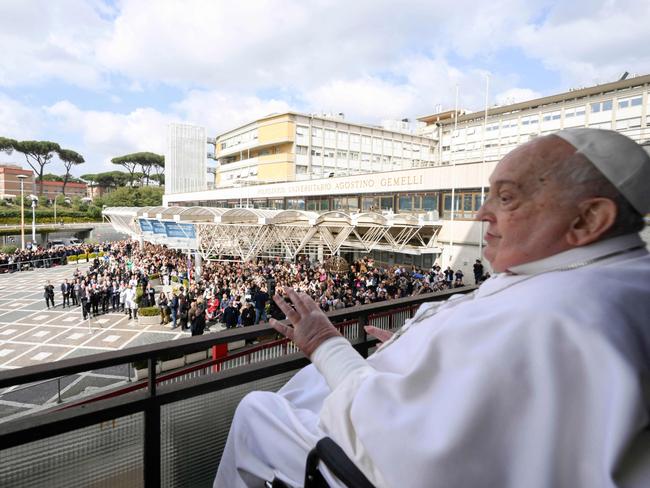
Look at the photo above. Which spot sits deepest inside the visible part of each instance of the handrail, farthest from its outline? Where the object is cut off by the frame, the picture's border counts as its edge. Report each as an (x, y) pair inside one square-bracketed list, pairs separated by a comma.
[(191, 369), (20, 264), (69, 366)]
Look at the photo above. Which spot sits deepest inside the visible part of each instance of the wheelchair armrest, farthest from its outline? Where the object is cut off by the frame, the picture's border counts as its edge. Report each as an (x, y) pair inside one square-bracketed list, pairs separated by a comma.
[(337, 462)]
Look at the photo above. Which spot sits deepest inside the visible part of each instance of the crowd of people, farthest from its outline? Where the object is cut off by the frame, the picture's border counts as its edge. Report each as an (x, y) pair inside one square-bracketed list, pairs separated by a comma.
[(232, 293), (39, 257)]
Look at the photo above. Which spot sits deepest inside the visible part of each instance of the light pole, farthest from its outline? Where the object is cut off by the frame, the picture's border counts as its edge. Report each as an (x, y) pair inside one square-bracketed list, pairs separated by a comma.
[(22, 211), (34, 200)]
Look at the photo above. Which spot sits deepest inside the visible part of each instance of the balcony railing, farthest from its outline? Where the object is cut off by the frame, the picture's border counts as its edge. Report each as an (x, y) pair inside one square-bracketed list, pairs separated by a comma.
[(168, 430)]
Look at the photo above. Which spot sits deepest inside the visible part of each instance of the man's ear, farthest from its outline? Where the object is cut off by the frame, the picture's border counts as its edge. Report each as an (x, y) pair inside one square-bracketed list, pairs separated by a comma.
[(595, 217)]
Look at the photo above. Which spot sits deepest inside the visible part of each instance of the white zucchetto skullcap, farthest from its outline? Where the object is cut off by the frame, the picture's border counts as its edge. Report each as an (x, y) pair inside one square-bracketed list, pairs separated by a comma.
[(622, 161)]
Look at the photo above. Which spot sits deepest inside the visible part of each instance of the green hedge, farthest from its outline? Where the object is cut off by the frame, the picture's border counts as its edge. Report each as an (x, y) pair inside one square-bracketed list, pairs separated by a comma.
[(72, 259), (8, 249), (154, 276), (138, 295), (82, 256), (149, 311), (101, 254), (175, 279), (92, 255)]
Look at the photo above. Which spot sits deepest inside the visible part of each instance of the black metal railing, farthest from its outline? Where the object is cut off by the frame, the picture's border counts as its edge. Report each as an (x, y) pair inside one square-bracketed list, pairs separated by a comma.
[(149, 401)]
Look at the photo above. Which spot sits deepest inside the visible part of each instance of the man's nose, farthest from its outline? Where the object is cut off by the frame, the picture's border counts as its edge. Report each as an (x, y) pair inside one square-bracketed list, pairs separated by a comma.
[(485, 212)]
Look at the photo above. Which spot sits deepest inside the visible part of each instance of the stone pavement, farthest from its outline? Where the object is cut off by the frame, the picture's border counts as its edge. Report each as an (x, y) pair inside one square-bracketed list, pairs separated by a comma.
[(32, 334)]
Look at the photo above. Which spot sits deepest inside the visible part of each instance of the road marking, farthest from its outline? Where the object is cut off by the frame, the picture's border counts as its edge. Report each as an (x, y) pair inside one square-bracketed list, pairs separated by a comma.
[(111, 338), (70, 319), (40, 317), (41, 333), (8, 331), (6, 352), (75, 336), (41, 355)]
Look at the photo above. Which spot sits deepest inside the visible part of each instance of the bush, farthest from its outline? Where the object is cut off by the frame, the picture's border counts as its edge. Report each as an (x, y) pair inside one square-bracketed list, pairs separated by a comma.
[(186, 284), (138, 295), (175, 279), (72, 259), (92, 255), (149, 311), (8, 249), (154, 276), (101, 254), (82, 256)]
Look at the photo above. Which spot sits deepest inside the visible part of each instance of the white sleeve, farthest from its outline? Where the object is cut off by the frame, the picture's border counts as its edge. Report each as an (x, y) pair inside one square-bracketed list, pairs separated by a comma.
[(337, 360)]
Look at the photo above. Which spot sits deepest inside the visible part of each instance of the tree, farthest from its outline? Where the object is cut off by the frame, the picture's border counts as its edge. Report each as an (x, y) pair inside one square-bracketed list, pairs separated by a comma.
[(7, 145), (109, 179), (51, 177), (37, 154), (159, 178), (146, 161), (69, 158)]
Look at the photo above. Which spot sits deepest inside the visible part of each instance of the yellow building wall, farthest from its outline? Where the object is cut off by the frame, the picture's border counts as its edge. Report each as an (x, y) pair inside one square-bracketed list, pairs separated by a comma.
[(276, 130), (283, 171)]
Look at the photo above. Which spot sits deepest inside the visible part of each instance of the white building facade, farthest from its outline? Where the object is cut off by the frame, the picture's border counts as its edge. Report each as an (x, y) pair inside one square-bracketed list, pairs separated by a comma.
[(185, 159)]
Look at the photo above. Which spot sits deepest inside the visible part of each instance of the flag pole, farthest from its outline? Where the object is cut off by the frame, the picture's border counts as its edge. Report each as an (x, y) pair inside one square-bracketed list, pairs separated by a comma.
[(453, 178), (487, 92)]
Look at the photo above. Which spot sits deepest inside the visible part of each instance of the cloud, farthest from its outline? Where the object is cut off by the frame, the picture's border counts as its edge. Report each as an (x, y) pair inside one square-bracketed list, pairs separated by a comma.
[(51, 40), (108, 134), (516, 95), (220, 111), (17, 120), (591, 42)]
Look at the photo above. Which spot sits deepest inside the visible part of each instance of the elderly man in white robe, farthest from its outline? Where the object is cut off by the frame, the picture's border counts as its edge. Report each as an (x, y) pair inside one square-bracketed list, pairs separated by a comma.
[(540, 378)]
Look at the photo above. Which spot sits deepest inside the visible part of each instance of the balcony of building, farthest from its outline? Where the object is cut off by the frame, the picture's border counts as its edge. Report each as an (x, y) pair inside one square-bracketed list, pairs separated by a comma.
[(168, 429)]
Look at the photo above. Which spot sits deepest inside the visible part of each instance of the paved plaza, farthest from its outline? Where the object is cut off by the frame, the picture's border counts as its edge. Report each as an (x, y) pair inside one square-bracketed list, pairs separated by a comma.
[(31, 334)]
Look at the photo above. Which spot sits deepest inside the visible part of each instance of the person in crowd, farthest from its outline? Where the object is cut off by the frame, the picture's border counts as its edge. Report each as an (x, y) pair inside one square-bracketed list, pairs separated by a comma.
[(163, 304), (48, 294), (197, 316), (75, 293), (85, 302), (183, 311), (231, 315), (130, 302), (538, 378), (173, 309), (260, 300), (115, 296), (65, 293), (459, 279), (478, 271), (247, 314)]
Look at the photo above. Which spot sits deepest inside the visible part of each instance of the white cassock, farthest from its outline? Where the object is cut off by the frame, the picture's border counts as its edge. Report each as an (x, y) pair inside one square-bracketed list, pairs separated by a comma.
[(541, 378)]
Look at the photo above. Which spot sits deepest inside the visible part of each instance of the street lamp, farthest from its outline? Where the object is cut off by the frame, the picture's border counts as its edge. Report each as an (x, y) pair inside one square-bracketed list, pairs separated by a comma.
[(65, 200), (34, 200), (22, 211)]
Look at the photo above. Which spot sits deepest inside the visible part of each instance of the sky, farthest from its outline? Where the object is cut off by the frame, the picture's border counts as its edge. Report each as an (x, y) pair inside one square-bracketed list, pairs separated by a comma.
[(104, 78)]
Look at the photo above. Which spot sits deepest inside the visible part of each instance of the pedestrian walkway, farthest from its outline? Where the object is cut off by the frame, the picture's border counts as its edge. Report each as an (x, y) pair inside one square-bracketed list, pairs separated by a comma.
[(31, 334)]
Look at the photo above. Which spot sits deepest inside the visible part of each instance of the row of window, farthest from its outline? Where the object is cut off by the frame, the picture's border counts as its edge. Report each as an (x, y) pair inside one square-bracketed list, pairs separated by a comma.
[(595, 107), (242, 138), (467, 203)]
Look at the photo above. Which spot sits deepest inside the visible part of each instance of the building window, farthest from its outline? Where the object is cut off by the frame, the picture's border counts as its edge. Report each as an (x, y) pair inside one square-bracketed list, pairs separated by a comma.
[(466, 205), (347, 204), (601, 106), (629, 102)]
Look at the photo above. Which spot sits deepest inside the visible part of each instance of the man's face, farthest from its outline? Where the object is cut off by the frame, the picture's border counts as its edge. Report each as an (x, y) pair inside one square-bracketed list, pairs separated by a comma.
[(527, 213)]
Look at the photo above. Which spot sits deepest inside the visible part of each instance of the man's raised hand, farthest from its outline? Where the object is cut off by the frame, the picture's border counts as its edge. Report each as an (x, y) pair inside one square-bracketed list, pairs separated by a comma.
[(311, 327)]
